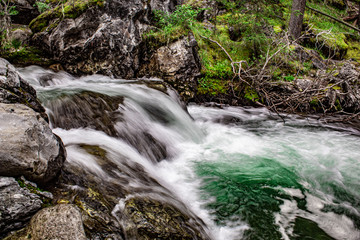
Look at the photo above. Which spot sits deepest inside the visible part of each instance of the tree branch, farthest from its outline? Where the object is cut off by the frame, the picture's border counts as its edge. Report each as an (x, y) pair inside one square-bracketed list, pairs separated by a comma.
[(335, 19)]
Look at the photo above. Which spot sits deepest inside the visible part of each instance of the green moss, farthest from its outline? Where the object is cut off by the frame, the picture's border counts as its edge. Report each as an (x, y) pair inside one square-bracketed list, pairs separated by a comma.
[(25, 55), (251, 94), (70, 9), (277, 29), (155, 39), (211, 86), (35, 190), (289, 78), (353, 51)]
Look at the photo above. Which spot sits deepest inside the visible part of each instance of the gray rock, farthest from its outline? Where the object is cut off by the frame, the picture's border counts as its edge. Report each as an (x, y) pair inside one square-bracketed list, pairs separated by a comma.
[(27, 145), (164, 5), (177, 64), (13, 89), (17, 205), (108, 40), (61, 222), (303, 84), (101, 40), (21, 35)]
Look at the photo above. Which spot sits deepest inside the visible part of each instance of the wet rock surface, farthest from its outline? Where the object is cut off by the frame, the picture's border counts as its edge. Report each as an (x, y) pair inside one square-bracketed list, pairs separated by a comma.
[(61, 222), (27, 145), (17, 205), (152, 219), (86, 109), (102, 193)]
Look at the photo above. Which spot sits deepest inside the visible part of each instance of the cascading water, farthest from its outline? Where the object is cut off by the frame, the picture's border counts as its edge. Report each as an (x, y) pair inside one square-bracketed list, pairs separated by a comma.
[(244, 172)]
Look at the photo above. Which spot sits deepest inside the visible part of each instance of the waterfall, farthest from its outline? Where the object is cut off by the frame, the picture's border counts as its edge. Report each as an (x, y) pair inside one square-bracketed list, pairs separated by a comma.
[(241, 173)]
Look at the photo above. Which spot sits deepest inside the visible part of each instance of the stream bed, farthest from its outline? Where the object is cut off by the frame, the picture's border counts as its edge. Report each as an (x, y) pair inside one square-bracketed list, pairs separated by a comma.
[(244, 171)]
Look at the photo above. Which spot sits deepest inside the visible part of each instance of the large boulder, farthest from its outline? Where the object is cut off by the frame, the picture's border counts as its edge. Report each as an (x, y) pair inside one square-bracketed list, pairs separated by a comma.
[(103, 39), (27, 145), (13, 89), (107, 38), (17, 205)]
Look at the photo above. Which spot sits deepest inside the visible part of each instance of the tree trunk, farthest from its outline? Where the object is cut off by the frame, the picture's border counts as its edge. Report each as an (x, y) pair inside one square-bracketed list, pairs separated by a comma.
[(358, 18), (296, 18)]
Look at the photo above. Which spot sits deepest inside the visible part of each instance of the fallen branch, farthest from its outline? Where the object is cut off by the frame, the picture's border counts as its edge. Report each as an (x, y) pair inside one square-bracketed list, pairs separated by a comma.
[(335, 19)]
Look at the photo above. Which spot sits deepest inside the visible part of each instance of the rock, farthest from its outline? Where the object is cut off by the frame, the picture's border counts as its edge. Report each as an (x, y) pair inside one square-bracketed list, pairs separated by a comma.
[(178, 64), (26, 10), (100, 40), (21, 35), (101, 186), (86, 109), (13, 89), (164, 5), (17, 205), (27, 145), (108, 40), (310, 55), (62, 221), (303, 84)]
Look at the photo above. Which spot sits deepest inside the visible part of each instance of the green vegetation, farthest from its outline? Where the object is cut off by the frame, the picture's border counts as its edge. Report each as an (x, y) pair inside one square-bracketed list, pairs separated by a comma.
[(18, 54), (42, 6), (7, 9), (170, 27), (255, 32), (68, 9)]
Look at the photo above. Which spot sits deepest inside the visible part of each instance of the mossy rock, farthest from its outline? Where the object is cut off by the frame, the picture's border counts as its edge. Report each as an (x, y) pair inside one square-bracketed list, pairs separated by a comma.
[(70, 9), (25, 56), (156, 39), (353, 51)]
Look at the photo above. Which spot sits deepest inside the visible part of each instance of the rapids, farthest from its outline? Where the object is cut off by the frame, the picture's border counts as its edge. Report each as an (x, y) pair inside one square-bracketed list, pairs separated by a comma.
[(243, 171)]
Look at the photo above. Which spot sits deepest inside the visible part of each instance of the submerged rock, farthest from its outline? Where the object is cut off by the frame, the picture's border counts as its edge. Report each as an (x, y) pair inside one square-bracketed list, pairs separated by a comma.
[(17, 205), (86, 109), (27, 145)]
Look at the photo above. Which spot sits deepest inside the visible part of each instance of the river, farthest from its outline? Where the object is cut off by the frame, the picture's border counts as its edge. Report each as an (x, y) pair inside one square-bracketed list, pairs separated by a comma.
[(244, 171)]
